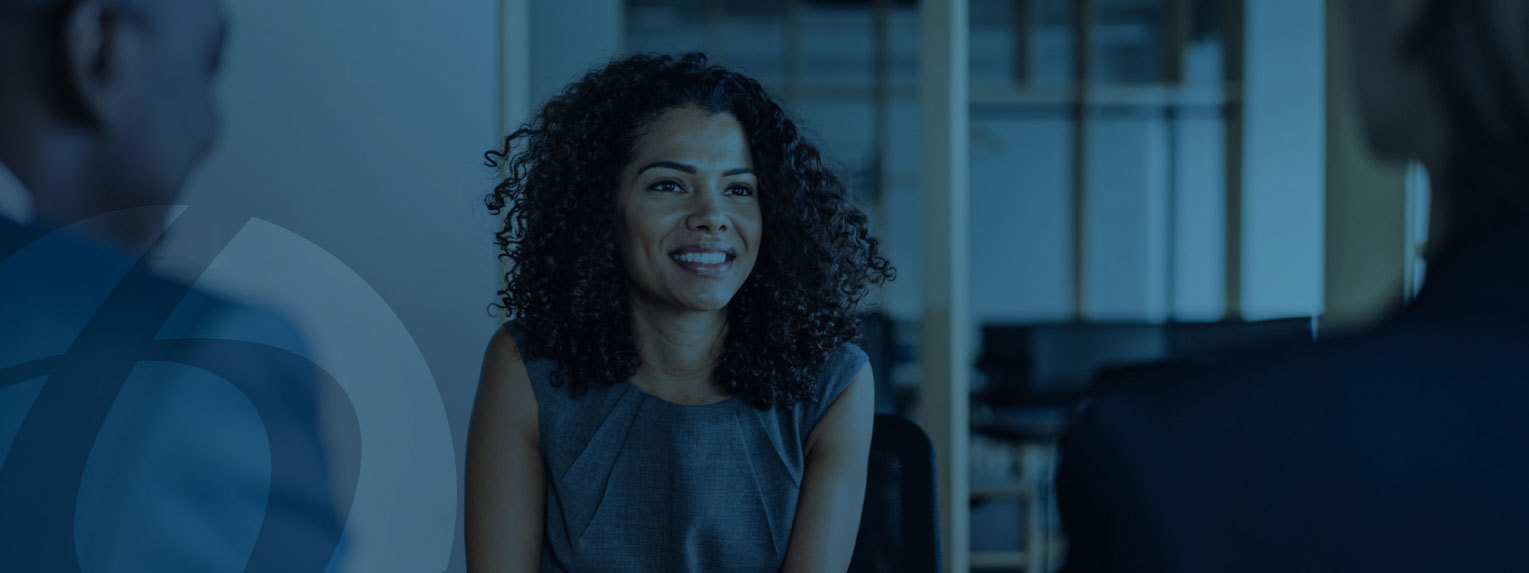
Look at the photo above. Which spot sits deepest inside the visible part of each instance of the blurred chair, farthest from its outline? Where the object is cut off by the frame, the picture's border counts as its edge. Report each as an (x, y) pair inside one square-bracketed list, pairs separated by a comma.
[(876, 336), (899, 525)]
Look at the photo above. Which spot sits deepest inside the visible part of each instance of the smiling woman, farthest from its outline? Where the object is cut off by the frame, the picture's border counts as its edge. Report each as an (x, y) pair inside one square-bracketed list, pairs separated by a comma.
[(676, 388), (689, 227)]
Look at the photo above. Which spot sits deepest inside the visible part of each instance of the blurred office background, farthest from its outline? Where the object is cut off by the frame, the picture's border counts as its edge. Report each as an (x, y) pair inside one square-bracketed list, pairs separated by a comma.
[(1138, 180)]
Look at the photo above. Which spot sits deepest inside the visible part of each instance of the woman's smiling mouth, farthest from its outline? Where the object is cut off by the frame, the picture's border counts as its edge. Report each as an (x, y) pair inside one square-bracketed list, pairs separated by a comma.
[(705, 259)]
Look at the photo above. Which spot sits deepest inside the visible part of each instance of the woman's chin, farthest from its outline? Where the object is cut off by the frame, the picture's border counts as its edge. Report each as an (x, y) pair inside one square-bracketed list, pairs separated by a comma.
[(704, 302)]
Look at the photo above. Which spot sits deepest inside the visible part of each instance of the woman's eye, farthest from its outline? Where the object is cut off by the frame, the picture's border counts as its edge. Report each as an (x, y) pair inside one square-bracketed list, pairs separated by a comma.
[(666, 186), (740, 190)]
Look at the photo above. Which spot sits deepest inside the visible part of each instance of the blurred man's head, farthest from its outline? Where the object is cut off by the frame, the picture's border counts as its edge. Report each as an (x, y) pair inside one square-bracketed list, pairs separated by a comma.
[(1446, 82), (107, 104)]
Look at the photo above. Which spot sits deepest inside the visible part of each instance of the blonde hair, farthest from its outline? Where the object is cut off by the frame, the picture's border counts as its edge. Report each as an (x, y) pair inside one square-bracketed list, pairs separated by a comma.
[(1479, 52)]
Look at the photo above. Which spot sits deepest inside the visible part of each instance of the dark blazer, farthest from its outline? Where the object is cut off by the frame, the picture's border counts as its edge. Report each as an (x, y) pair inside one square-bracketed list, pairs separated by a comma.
[(148, 426), (1403, 449)]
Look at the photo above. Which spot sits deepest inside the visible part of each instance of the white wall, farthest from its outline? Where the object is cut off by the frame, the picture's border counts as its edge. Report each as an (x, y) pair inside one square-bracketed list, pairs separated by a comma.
[(1020, 222), (1021, 216), (359, 126), (1125, 244), (1284, 139), (568, 37), (1199, 287)]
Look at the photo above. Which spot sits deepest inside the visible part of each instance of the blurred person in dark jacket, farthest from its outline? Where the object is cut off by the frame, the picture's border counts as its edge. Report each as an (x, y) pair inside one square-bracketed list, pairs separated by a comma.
[(1405, 448), (144, 425)]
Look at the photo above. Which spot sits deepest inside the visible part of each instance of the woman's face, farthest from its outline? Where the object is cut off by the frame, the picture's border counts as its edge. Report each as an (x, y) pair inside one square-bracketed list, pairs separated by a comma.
[(1401, 114), (689, 207)]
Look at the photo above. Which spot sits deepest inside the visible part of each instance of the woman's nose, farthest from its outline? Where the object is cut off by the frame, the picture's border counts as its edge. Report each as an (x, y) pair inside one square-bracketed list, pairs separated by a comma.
[(707, 214)]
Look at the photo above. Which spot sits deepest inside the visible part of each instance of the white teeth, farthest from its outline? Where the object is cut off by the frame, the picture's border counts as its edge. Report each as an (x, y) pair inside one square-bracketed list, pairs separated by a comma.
[(702, 258)]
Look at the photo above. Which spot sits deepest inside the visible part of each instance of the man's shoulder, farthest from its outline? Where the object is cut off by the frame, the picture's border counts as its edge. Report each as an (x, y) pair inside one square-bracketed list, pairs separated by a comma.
[(1293, 395), (64, 294), (1199, 406), (41, 268), (205, 314), (1191, 384)]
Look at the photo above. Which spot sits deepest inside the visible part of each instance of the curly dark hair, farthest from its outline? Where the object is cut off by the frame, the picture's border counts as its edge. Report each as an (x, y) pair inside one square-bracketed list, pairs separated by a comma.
[(566, 285)]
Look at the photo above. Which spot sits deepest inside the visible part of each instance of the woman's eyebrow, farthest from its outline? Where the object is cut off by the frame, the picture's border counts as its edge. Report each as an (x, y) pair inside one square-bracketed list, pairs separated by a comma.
[(670, 165), (691, 169)]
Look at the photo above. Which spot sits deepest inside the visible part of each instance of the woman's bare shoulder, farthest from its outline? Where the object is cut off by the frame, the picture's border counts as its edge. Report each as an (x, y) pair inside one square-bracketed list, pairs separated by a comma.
[(504, 386)]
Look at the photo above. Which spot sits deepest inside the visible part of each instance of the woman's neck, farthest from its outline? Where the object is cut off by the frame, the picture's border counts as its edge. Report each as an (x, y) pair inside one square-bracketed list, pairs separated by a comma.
[(679, 349), (1441, 216), (1471, 203)]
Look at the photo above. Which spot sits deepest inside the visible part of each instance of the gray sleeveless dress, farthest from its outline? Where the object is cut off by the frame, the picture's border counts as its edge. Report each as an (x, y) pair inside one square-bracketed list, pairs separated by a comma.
[(636, 483)]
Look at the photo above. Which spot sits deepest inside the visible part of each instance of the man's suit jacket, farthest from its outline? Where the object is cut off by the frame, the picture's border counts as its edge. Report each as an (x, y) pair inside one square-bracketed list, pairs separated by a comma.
[(147, 426), (1402, 449)]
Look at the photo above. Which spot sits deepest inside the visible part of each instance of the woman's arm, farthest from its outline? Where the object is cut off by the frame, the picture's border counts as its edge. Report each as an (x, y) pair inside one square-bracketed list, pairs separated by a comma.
[(506, 495), (833, 484)]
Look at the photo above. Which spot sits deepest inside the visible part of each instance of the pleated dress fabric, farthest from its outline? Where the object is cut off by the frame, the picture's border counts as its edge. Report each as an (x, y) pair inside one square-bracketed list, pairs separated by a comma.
[(637, 483)]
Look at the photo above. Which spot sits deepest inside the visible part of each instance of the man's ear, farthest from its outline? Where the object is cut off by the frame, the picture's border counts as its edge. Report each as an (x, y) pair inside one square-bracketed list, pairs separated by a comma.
[(94, 59)]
